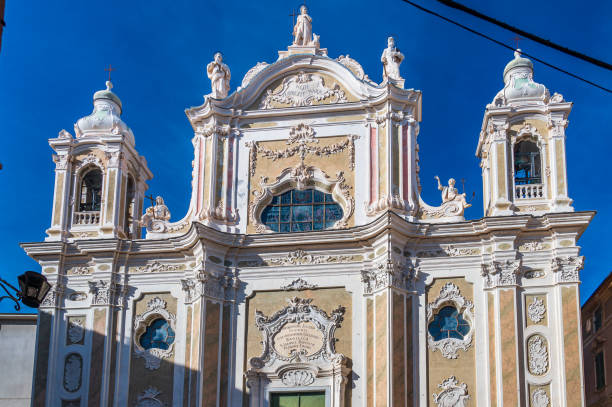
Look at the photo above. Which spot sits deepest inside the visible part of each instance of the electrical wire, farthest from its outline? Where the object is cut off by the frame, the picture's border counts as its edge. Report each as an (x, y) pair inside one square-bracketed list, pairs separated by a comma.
[(507, 46), (533, 37)]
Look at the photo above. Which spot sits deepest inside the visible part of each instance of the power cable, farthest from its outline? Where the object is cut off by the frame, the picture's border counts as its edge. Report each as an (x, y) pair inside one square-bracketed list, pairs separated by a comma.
[(507, 46), (533, 37)]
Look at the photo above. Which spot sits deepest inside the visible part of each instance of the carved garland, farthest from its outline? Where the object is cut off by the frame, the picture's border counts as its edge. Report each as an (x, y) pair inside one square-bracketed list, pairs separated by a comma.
[(301, 177), (156, 308), (300, 138), (450, 295)]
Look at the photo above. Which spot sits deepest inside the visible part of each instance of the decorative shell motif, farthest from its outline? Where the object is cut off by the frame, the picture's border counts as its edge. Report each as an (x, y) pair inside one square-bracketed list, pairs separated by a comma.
[(537, 355), (536, 310), (453, 394), (297, 378)]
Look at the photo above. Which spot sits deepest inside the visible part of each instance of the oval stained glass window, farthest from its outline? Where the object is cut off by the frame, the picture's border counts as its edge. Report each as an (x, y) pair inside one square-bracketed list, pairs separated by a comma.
[(158, 334), (301, 211), (448, 323)]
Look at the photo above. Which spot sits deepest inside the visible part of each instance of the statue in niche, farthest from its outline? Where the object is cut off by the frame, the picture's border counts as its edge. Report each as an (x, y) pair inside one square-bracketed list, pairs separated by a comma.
[(450, 193), (219, 75), (156, 217), (302, 31), (391, 59)]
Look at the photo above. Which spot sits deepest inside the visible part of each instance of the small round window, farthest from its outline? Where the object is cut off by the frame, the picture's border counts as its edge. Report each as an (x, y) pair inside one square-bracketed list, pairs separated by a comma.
[(158, 334), (448, 323), (300, 211)]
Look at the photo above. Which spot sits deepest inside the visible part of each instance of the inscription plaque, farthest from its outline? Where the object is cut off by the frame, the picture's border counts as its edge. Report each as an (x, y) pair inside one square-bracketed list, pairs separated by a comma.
[(298, 338)]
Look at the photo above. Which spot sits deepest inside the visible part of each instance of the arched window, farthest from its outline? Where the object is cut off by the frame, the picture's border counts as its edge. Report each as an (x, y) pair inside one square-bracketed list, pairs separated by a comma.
[(158, 335), (91, 191), (128, 217), (527, 163), (300, 211)]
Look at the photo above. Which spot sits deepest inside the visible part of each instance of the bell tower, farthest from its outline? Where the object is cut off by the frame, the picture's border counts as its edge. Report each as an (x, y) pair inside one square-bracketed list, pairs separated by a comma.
[(522, 146), (100, 179)]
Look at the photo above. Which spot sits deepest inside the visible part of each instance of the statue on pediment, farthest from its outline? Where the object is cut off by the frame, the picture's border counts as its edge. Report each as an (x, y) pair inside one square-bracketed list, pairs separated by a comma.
[(450, 193), (302, 31), (156, 217), (219, 75), (391, 59)]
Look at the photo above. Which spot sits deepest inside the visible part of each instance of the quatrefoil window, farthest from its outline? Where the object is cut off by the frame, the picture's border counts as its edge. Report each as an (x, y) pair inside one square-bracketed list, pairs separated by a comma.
[(158, 335), (448, 323)]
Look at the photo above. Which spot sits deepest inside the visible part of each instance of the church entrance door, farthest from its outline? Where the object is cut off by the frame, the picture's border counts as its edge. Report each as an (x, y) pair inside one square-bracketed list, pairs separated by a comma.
[(310, 399)]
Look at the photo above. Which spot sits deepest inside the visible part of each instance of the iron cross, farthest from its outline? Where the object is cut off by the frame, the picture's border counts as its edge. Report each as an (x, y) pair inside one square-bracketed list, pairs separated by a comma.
[(109, 70)]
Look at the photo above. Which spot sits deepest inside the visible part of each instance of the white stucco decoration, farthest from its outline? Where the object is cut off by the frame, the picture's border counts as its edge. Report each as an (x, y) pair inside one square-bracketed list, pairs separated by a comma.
[(301, 177), (76, 330), (251, 73), (298, 351), (539, 398), (73, 368), (354, 66), (156, 308), (537, 355), (536, 310), (149, 398), (453, 394), (303, 89), (450, 295)]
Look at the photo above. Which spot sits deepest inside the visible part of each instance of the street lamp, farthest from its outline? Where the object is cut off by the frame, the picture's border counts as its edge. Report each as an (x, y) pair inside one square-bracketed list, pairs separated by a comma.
[(33, 287)]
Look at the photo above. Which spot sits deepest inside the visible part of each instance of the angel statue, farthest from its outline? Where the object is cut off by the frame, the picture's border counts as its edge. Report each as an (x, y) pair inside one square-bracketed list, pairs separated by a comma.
[(219, 75), (391, 59)]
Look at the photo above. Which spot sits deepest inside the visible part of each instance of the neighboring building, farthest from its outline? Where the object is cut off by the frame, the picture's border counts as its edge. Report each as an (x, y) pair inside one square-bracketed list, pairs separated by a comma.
[(308, 270), (18, 340), (596, 340)]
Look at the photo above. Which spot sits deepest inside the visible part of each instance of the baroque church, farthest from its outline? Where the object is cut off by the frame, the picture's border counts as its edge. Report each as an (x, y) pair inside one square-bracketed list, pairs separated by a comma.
[(308, 271)]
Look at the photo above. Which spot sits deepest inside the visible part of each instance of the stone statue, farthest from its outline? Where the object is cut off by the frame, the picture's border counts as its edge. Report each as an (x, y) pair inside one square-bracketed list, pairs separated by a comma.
[(302, 31), (391, 59), (219, 75), (156, 217), (450, 193)]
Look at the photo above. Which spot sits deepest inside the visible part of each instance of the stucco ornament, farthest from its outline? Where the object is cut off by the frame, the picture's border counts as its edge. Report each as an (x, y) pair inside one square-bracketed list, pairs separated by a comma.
[(298, 350), (156, 218), (298, 284), (453, 394), (103, 293), (301, 177), (157, 267), (539, 398), (149, 398), (73, 368), (450, 295), (392, 272), (567, 269), (219, 75), (536, 310), (391, 59), (156, 308), (537, 355), (302, 89), (354, 66), (502, 273), (76, 330), (251, 73)]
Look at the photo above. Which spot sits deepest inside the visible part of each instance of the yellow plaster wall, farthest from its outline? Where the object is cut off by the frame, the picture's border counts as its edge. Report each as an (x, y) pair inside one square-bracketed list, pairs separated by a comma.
[(507, 312), (211, 354), (398, 357), (381, 344), (382, 160), (464, 367), (573, 374), (59, 198), (141, 377), (501, 170), (330, 164), (97, 356), (110, 194), (491, 333), (370, 352), (188, 364)]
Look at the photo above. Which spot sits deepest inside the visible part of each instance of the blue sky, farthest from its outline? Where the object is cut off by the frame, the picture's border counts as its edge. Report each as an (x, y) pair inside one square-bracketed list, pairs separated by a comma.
[(54, 54)]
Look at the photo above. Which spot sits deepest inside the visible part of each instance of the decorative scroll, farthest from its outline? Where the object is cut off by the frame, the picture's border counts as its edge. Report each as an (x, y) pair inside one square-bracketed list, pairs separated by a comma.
[(536, 310), (298, 284), (149, 398), (251, 73), (303, 89), (537, 355)]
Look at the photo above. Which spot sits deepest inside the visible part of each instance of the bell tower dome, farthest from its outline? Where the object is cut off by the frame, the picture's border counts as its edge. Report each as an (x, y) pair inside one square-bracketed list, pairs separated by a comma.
[(100, 179), (522, 146)]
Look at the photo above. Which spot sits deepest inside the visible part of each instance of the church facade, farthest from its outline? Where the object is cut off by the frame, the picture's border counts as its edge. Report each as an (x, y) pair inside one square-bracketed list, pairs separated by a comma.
[(308, 270)]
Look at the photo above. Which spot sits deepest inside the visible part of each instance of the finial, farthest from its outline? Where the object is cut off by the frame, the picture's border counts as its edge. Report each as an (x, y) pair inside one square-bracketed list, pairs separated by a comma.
[(517, 53), (109, 85)]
